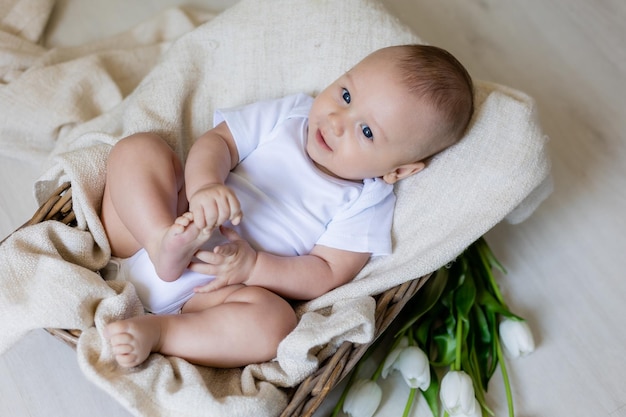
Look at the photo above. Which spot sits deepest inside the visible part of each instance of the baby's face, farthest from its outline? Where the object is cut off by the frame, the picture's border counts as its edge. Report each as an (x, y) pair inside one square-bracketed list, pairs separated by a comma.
[(366, 124)]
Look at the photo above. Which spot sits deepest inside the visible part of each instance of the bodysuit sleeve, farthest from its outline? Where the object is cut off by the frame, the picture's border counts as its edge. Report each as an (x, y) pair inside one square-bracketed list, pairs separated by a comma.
[(251, 123), (365, 226)]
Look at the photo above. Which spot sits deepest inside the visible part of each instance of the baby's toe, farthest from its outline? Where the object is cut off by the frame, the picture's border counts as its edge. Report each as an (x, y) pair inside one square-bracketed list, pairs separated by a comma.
[(122, 349), (127, 361)]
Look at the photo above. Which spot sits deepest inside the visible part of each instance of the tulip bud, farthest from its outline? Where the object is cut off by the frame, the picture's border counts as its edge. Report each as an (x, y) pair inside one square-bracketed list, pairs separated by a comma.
[(457, 394), (516, 338), (414, 366), (476, 413), (393, 356), (362, 399)]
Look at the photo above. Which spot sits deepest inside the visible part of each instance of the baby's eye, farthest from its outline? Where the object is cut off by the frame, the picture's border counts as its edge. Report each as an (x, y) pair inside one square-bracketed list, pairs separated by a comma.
[(345, 94), (367, 132)]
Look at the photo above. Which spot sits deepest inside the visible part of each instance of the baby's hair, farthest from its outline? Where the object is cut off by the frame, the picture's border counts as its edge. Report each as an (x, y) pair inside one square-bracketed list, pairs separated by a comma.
[(435, 74)]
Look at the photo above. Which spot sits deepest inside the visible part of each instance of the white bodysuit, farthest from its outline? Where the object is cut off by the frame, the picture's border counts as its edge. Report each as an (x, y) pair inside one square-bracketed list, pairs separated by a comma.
[(288, 204)]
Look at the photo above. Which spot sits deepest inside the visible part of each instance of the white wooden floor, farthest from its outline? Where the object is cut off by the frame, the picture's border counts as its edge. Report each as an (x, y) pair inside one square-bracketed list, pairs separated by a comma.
[(567, 266)]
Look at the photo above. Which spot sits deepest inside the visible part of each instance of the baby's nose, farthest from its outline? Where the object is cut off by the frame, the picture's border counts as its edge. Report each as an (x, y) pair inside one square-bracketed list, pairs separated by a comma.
[(336, 124)]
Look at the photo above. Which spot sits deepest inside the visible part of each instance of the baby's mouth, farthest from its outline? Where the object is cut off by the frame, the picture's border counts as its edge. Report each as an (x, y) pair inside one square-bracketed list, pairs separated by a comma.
[(322, 141)]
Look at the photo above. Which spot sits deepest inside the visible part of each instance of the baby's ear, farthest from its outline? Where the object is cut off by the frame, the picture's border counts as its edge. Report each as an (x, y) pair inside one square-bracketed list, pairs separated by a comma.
[(403, 171)]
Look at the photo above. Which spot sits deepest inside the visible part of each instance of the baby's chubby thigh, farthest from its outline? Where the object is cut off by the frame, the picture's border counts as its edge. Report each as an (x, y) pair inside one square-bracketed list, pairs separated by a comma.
[(205, 300), (156, 295), (253, 319)]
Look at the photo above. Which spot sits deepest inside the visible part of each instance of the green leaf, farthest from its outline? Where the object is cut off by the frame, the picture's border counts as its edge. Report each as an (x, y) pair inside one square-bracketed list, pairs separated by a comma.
[(487, 300), (482, 344), (422, 333), (450, 325), (464, 297), (480, 325), (445, 349), (487, 254), (427, 297), (432, 393), (447, 301), (493, 323)]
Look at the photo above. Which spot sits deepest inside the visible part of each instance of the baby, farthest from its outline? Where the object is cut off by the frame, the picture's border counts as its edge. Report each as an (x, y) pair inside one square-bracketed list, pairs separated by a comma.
[(282, 200)]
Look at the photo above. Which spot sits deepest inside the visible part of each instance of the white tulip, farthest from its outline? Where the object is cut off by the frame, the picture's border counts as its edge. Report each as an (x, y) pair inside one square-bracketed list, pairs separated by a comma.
[(516, 338), (362, 399), (414, 366), (393, 356), (457, 394), (476, 413)]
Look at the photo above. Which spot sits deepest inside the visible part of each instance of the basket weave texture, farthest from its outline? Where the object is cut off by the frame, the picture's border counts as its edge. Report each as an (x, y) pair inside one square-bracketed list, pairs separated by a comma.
[(305, 398)]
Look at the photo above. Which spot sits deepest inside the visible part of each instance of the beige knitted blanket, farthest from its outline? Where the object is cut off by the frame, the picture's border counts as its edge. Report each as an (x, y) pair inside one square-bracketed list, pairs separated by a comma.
[(166, 75)]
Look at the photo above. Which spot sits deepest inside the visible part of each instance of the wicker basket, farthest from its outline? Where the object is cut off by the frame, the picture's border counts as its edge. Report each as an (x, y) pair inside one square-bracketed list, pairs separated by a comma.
[(305, 398)]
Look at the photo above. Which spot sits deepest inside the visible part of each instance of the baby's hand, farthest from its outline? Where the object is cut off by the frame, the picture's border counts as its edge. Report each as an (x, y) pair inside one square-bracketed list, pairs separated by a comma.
[(213, 205), (231, 263)]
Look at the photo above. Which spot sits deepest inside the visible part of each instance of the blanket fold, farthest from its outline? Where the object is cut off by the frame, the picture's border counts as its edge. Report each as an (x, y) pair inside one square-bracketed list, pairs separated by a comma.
[(70, 105)]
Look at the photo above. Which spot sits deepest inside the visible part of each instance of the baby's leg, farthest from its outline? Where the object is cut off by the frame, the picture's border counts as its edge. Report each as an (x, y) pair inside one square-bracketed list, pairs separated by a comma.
[(143, 202), (231, 327)]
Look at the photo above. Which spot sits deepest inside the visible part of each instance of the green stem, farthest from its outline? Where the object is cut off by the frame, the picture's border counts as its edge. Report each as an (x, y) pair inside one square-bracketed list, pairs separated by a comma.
[(505, 377), (379, 371), (409, 402), (483, 251), (459, 345), (410, 335)]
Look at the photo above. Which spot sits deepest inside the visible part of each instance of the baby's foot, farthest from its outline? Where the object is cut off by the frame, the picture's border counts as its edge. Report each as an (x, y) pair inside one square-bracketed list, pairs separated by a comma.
[(178, 245), (132, 340)]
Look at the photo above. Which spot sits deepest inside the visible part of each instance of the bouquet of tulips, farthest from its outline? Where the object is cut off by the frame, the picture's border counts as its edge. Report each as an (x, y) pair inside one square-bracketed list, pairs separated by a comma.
[(458, 322)]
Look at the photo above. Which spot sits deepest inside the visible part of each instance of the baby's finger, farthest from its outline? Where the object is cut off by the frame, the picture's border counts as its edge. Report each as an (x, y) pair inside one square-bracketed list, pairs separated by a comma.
[(236, 219), (227, 249), (212, 215), (202, 268), (235, 210), (229, 233), (209, 257), (197, 213)]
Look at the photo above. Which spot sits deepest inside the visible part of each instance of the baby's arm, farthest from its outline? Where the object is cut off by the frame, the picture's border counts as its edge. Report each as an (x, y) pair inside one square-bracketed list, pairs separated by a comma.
[(210, 159), (297, 277), (308, 276)]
